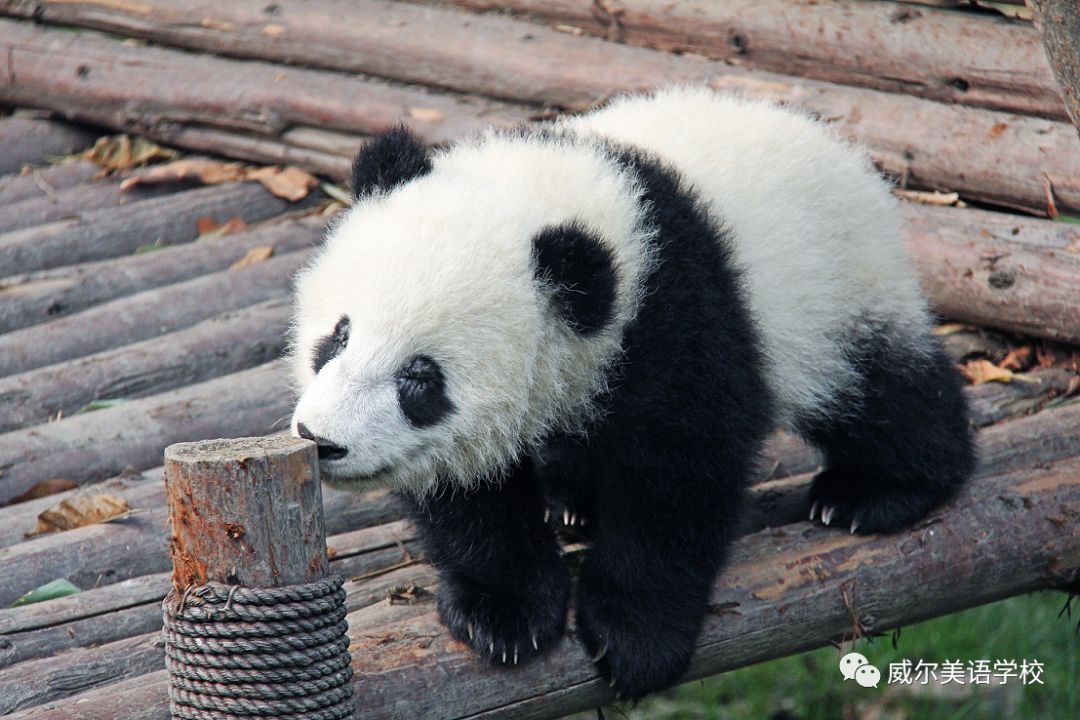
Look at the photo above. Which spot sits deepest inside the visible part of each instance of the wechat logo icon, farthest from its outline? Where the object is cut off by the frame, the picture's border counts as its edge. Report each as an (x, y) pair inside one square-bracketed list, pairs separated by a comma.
[(855, 666)]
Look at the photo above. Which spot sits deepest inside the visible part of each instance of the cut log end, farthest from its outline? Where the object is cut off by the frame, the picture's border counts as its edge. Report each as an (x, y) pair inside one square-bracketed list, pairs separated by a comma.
[(245, 512)]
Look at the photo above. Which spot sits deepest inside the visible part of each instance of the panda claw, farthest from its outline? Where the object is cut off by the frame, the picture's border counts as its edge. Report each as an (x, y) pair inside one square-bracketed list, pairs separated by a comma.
[(854, 526), (491, 648), (536, 645), (573, 518), (504, 657), (472, 632), (565, 517), (515, 654), (827, 514), (611, 684), (813, 510), (547, 515), (600, 654), (583, 521)]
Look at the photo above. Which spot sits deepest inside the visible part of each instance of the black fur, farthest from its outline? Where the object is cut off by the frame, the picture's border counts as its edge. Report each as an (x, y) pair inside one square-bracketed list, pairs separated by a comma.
[(421, 390), (390, 159), (331, 346), (900, 446), (579, 270)]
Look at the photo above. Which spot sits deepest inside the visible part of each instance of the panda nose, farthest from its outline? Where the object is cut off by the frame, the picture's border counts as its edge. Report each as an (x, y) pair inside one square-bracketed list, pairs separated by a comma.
[(327, 450)]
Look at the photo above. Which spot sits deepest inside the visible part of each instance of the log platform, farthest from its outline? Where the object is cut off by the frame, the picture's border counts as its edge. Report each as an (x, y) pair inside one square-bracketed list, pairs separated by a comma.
[(136, 315)]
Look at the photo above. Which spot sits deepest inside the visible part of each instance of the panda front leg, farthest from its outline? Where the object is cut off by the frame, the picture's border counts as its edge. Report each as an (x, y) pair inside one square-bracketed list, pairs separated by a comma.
[(503, 587), (643, 590)]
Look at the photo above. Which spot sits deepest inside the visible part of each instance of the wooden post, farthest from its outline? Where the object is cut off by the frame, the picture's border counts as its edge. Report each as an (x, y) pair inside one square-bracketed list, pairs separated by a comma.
[(245, 512), (1058, 22)]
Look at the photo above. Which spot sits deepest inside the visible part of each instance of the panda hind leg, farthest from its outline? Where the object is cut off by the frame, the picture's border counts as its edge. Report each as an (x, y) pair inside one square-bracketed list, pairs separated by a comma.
[(898, 448)]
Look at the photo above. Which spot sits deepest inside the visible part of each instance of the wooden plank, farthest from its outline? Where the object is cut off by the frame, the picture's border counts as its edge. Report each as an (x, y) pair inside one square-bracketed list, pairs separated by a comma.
[(33, 141), (99, 79), (72, 202), (409, 667), (112, 231), (146, 314), (40, 182), (94, 446), (45, 295), (946, 56)]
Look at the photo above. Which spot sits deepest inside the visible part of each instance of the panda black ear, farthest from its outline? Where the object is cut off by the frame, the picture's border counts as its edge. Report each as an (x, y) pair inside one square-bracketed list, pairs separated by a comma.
[(388, 160), (577, 269)]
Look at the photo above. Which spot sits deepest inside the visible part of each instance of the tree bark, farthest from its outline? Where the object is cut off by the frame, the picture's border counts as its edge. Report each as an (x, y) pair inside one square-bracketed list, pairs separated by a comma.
[(46, 295), (111, 231), (409, 667), (39, 182), (146, 314), (33, 141), (75, 201), (1058, 22)]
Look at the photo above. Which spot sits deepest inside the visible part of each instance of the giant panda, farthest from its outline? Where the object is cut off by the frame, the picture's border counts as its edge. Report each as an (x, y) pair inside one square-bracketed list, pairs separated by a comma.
[(607, 315)]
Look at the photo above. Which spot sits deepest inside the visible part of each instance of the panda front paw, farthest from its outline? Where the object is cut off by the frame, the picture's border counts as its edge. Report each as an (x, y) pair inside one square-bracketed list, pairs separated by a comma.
[(638, 646), (506, 625)]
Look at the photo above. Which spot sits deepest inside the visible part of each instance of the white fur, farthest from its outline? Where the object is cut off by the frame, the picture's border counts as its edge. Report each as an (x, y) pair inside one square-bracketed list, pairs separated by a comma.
[(815, 228), (442, 266)]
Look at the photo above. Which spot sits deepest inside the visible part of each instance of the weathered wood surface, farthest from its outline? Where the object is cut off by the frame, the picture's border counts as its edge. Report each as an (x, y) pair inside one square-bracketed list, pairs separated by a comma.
[(48, 294), (108, 232), (99, 79), (993, 156), (1058, 23), (73, 202), (33, 141), (227, 343), (993, 402), (245, 511), (786, 590), (977, 271), (94, 446), (38, 182), (945, 56), (146, 314)]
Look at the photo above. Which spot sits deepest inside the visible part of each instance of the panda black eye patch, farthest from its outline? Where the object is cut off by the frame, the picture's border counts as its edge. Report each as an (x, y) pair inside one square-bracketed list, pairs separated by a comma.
[(331, 346), (421, 389)]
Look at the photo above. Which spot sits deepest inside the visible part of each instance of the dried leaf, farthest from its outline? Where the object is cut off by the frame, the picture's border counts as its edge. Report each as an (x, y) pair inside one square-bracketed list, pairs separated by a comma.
[(951, 329), (120, 152), (79, 511), (1017, 358), (58, 588), (940, 199), (290, 183), (983, 371), (257, 254), (424, 114), (45, 488), (208, 172), (337, 192), (209, 229)]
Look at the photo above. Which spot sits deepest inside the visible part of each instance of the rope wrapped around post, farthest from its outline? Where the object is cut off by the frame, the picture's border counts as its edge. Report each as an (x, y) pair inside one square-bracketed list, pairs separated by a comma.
[(254, 626)]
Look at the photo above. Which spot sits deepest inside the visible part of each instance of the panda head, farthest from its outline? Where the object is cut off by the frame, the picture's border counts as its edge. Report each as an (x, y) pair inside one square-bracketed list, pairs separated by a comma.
[(468, 303)]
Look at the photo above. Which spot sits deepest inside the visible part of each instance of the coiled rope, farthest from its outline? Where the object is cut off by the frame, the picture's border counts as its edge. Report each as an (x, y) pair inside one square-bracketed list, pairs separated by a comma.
[(278, 652)]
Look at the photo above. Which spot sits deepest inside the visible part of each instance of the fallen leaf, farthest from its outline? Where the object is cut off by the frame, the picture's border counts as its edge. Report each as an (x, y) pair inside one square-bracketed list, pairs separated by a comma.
[(44, 489), (1017, 358), (120, 152), (950, 329), (257, 254), (428, 115), (290, 183), (208, 172), (983, 371), (80, 511), (923, 197), (210, 229), (997, 130), (58, 588)]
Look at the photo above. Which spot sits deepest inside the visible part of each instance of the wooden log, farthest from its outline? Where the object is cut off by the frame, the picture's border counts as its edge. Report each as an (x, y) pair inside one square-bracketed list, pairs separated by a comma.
[(146, 314), (73, 202), (992, 156), (994, 402), (94, 446), (112, 231), (946, 56), (409, 667), (33, 141), (227, 343), (45, 295), (133, 607), (96, 78), (976, 271), (1058, 23), (245, 511), (44, 181)]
